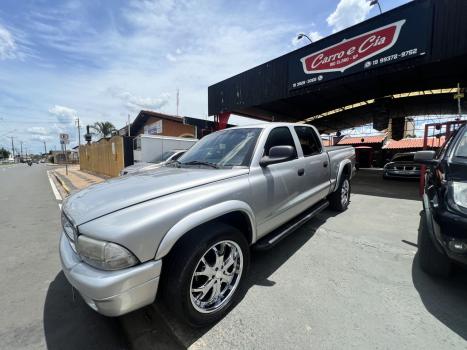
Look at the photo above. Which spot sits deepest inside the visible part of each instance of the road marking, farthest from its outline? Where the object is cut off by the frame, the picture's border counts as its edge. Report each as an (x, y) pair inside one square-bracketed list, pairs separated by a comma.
[(57, 195)]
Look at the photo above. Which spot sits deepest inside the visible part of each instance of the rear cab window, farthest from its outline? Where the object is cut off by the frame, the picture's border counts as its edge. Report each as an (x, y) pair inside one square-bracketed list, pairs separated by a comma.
[(308, 140)]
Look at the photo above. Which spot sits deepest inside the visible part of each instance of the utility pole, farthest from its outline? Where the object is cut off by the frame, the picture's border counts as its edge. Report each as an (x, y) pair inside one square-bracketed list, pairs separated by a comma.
[(458, 96), (45, 147), (21, 153), (79, 132), (178, 99), (129, 124), (12, 146)]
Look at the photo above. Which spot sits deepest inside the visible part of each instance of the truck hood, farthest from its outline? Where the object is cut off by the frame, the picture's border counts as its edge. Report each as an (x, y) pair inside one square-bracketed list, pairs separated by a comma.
[(118, 193), (140, 166)]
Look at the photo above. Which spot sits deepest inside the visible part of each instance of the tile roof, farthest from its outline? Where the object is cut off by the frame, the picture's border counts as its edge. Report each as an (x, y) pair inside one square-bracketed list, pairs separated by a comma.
[(358, 140), (408, 143)]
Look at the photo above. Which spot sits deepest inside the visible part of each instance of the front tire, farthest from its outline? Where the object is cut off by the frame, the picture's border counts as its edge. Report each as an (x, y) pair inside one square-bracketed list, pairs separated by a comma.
[(339, 200), (432, 261), (206, 273)]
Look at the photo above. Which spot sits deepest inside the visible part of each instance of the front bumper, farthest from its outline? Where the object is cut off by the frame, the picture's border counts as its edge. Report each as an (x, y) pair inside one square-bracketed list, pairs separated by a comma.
[(450, 227), (402, 173), (111, 293)]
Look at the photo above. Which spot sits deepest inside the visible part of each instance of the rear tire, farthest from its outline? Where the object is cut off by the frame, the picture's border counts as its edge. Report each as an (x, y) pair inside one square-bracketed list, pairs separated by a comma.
[(339, 200), (432, 261), (185, 272)]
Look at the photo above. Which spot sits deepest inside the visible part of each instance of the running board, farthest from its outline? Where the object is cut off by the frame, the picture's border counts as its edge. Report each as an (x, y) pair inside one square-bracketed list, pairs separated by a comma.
[(283, 231)]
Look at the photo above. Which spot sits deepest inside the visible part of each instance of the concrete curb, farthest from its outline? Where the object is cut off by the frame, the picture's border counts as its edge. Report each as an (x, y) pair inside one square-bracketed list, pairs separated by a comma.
[(62, 183)]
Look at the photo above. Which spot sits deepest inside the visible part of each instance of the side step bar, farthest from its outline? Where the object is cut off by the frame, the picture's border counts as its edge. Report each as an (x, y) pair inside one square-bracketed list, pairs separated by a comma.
[(283, 231)]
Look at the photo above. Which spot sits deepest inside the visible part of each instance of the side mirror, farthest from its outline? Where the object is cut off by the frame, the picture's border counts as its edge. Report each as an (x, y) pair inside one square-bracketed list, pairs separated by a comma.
[(278, 154), (426, 158)]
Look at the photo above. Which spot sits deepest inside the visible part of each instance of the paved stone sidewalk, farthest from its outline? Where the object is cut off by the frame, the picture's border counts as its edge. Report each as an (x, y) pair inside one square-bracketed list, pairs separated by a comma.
[(76, 179)]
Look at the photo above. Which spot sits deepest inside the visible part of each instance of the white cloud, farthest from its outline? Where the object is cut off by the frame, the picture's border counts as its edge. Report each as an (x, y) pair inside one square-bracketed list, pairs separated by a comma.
[(41, 138), (348, 13), (315, 36), (38, 130), (7, 44), (171, 57), (64, 114), (135, 103)]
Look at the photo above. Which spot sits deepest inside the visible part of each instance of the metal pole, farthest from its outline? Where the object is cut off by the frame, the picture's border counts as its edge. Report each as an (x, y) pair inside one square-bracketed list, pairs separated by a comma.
[(129, 125), (45, 148), (13, 147), (21, 143), (79, 133), (459, 96), (66, 159), (178, 99)]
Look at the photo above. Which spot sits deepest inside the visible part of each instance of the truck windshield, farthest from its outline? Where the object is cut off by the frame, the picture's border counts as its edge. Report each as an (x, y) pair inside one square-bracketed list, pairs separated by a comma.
[(461, 150), (227, 148)]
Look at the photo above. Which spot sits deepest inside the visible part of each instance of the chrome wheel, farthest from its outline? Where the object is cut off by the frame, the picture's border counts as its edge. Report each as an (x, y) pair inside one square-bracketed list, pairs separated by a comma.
[(345, 192), (216, 276)]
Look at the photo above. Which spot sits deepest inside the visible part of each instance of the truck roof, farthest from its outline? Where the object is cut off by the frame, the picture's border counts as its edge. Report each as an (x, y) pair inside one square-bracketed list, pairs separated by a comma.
[(269, 125)]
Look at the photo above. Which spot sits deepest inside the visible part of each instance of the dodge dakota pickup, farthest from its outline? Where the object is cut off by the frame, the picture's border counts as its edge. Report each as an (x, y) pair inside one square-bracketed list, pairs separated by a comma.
[(184, 231)]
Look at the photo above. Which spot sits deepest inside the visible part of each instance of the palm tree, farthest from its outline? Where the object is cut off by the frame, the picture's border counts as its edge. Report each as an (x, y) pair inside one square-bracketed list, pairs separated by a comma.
[(104, 129)]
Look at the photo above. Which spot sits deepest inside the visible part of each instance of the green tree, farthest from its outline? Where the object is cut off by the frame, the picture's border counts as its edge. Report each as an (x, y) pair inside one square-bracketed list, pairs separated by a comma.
[(104, 129), (4, 153)]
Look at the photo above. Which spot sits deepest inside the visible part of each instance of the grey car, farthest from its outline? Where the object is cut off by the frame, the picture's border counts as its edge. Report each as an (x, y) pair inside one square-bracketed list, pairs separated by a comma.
[(183, 232), (164, 158), (402, 165)]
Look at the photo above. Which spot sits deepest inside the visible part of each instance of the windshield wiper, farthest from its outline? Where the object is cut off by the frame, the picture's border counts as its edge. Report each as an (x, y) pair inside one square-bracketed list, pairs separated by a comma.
[(173, 163), (198, 162)]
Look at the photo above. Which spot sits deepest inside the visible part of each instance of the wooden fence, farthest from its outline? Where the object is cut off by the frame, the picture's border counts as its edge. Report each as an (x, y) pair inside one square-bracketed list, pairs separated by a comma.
[(105, 157)]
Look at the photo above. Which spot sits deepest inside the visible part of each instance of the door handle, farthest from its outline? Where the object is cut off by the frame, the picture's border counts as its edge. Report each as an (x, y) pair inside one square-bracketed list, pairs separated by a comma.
[(325, 164), (300, 172)]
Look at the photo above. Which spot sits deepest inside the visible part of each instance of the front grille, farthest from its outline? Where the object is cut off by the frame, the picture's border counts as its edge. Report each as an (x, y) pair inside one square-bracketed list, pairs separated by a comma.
[(406, 168)]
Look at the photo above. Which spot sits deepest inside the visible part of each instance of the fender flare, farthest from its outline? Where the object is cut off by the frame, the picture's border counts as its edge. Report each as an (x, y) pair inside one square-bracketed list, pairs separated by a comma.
[(200, 217), (342, 165)]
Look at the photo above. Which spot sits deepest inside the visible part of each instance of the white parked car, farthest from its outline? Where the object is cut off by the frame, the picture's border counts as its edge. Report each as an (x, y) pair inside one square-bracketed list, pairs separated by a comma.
[(164, 158)]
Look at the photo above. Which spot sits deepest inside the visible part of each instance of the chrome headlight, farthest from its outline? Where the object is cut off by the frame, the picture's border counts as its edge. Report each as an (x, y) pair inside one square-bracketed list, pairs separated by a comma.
[(459, 192), (104, 255)]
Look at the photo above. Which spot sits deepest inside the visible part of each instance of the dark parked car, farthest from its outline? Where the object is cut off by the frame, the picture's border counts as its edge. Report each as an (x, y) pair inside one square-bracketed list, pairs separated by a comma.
[(442, 237), (402, 165)]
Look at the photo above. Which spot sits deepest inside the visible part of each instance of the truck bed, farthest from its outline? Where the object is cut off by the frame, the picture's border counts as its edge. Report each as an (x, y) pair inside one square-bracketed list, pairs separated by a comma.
[(335, 148)]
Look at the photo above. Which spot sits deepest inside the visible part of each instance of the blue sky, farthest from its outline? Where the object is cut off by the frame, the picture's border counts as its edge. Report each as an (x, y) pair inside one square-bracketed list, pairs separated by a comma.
[(104, 60)]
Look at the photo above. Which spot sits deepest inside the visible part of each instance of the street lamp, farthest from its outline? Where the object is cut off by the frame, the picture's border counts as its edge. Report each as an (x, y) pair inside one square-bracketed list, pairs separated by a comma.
[(303, 35), (376, 2)]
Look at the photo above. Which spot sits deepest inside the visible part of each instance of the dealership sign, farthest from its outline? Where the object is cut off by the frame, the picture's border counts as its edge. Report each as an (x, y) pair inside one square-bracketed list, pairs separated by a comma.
[(361, 47), (348, 53)]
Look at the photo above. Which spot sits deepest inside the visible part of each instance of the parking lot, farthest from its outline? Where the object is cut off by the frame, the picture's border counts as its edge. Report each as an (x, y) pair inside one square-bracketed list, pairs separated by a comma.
[(342, 281)]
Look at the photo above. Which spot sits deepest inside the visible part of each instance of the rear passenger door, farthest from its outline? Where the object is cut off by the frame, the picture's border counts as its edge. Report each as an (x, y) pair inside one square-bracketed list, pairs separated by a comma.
[(315, 163)]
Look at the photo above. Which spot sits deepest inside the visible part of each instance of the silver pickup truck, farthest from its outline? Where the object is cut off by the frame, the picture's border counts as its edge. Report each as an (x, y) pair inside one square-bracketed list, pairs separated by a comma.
[(185, 230)]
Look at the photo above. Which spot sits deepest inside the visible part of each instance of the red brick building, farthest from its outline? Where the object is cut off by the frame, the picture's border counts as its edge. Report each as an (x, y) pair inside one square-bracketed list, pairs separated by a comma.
[(154, 123)]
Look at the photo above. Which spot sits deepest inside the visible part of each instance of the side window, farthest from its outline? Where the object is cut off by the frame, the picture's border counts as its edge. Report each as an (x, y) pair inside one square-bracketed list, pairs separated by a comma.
[(308, 141), (280, 136)]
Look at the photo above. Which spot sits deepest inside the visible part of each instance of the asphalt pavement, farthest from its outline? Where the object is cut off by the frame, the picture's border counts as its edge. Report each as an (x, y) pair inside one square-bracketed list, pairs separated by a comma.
[(343, 281), (38, 309)]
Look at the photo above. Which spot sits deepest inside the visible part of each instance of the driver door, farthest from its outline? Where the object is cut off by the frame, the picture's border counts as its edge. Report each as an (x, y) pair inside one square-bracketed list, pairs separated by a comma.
[(276, 188)]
